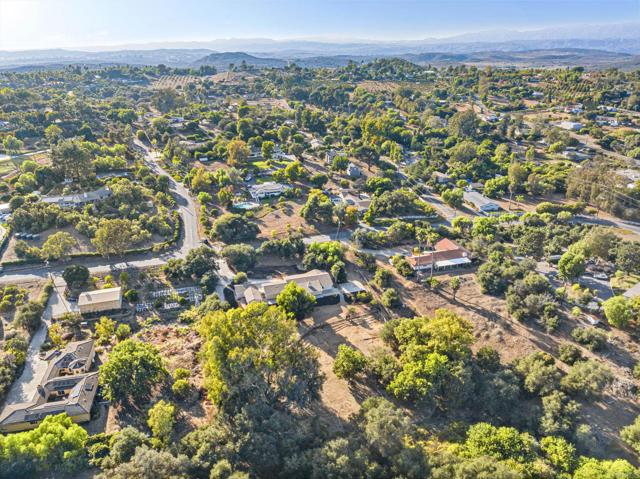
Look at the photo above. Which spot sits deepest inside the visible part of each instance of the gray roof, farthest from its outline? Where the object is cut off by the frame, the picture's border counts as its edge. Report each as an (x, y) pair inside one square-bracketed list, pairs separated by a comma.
[(478, 200), (82, 387)]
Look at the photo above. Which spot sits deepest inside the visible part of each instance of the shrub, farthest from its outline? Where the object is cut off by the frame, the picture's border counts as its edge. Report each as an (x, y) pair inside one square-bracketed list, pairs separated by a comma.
[(181, 388), (390, 298), (591, 338), (123, 332), (569, 353), (131, 295), (349, 363)]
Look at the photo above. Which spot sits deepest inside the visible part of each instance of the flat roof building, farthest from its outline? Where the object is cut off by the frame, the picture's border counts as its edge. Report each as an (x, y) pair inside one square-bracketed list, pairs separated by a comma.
[(100, 300)]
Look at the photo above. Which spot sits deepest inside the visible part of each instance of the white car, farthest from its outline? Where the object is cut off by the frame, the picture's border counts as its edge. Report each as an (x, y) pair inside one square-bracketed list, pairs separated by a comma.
[(600, 276)]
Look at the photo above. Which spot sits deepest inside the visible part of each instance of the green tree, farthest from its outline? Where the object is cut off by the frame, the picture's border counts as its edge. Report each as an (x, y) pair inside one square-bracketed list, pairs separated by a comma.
[(628, 257), (463, 124), (162, 418), (52, 133), (55, 445), (502, 443), (268, 147), (254, 356), (241, 257), (571, 264), (233, 228), (296, 300), (318, 208), (349, 363), (453, 197), (455, 284), (58, 245), (618, 311), (12, 144), (73, 160), (587, 378), (105, 329), (237, 152), (131, 371), (559, 452), (631, 434), (596, 469), (113, 237), (123, 331)]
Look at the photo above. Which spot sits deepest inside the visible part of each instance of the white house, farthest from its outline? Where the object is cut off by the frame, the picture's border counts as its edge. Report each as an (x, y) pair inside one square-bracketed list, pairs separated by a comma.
[(353, 171), (269, 189), (571, 125), (316, 282), (481, 202)]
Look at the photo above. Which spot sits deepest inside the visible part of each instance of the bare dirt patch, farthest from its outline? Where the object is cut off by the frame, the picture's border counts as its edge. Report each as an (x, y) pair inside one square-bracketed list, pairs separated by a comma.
[(328, 328)]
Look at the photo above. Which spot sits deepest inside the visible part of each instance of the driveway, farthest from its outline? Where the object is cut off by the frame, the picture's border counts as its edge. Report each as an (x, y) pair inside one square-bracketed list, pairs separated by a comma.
[(25, 387)]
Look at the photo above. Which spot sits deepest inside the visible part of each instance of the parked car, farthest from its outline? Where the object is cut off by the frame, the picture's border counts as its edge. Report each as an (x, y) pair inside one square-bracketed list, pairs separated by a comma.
[(601, 276)]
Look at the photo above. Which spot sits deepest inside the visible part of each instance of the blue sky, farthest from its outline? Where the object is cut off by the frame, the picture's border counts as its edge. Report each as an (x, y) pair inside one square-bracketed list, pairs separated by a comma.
[(27, 24)]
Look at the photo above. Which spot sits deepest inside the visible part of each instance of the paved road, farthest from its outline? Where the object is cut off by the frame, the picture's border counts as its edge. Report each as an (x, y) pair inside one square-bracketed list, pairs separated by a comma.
[(612, 222)]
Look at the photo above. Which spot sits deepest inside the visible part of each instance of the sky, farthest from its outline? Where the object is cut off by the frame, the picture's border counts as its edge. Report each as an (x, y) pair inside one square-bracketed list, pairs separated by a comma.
[(32, 24)]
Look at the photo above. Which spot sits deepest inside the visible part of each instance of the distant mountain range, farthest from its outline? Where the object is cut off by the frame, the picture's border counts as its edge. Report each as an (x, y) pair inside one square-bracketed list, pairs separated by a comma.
[(594, 46), (533, 58)]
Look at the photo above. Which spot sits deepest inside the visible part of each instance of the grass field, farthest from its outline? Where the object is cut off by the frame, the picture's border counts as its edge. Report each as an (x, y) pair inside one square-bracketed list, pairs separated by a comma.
[(8, 164)]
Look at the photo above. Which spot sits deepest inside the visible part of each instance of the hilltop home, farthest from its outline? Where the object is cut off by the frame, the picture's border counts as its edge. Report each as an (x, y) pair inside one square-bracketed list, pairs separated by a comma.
[(79, 200), (67, 387), (481, 202), (268, 189), (316, 282), (446, 255), (100, 300)]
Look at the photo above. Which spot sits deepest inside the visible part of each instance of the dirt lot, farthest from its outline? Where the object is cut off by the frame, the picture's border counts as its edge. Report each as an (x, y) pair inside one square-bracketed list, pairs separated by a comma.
[(179, 347), (325, 331)]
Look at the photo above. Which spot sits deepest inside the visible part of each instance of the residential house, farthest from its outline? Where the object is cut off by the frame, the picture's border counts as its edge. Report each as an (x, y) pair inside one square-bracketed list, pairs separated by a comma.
[(269, 189), (330, 155), (78, 200), (354, 171), (316, 282), (441, 178), (362, 201), (480, 202), (446, 255), (66, 387), (571, 125), (101, 300)]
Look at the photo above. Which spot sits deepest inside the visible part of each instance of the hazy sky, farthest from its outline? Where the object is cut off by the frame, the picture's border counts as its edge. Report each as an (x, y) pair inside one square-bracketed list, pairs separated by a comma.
[(27, 24)]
